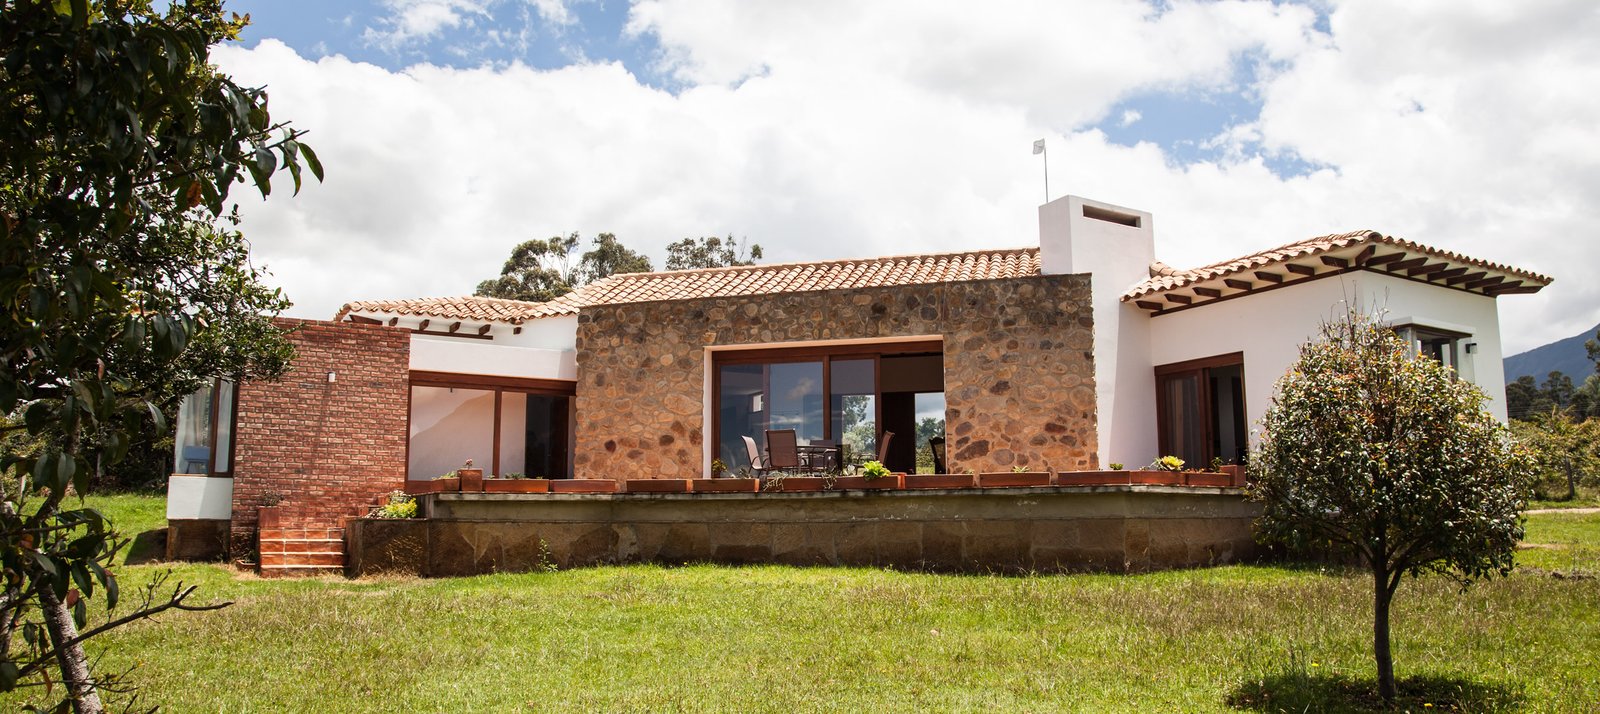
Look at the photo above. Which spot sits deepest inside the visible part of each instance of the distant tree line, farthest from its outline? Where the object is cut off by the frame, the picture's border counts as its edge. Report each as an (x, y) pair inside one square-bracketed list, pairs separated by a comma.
[(542, 270), (1560, 423)]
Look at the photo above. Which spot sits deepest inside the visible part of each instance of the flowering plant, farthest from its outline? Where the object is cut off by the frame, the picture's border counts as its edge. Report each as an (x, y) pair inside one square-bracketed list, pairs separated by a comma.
[(1167, 463)]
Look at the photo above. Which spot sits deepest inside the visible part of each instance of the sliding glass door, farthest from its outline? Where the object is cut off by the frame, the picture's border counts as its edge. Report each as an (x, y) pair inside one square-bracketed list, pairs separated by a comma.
[(506, 427)]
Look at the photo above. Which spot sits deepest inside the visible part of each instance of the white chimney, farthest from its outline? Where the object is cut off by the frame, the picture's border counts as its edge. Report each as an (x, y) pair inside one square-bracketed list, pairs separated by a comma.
[(1115, 246)]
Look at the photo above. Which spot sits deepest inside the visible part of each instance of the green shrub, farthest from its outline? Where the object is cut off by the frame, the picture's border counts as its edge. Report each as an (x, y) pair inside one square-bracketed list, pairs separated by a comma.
[(874, 469), (399, 505)]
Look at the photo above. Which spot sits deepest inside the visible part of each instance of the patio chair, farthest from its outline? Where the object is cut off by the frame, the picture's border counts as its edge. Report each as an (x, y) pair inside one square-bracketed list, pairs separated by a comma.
[(196, 459), (883, 445), (824, 454), (783, 450), (936, 447), (757, 467)]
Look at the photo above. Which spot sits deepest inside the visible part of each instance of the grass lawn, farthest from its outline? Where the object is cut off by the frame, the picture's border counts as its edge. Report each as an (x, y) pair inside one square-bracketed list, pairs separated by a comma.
[(1587, 497), (778, 639)]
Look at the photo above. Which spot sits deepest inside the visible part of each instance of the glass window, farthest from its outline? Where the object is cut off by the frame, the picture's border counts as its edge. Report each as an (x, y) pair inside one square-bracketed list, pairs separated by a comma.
[(191, 452), (1200, 411), (534, 430), (741, 410), (854, 408), (448, 426), (1182, 434), (795, 393), (222, 457)]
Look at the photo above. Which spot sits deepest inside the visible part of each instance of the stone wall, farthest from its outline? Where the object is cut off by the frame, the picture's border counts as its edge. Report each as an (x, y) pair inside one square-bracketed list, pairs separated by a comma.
[(1018, 369), (323, 448), (1109, 529)]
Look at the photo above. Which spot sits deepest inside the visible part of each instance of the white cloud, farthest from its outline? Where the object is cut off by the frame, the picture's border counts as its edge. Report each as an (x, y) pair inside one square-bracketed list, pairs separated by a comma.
[(420, 20), (1129, 116), (826, 130)]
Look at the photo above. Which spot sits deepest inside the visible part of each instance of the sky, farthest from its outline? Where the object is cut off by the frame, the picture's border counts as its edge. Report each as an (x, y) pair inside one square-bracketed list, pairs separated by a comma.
[(451, 130)]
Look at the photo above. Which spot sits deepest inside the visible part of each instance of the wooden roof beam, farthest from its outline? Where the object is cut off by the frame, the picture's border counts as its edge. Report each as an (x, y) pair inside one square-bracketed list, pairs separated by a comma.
[(1239, 284), (1299, 269), (423, 325), (1365, 256), (1426, 269), (1149, 305), (1497, 289), (1382, 259), (1486, 282), (1180, 299), (455, 326), (1335, 262), (1466, 278), (394, 321), (360, 319), (1208, 292), (484, 330), (1447, 274), (1269, 277), (1406, 264)]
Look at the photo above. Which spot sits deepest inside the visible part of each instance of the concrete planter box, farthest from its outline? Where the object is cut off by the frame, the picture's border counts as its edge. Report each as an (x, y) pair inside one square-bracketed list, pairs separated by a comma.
[(583, 485), (1093, 478), (441, 485), (471, 480), (1236, 474), (1013, 479), (725, 485), (938, 481), (857, 483), (516, 485), (796, 484), (657, 485)]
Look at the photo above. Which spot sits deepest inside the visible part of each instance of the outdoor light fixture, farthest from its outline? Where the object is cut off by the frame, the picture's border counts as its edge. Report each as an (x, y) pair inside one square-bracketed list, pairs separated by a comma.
[(1472, 348), (333, 377)]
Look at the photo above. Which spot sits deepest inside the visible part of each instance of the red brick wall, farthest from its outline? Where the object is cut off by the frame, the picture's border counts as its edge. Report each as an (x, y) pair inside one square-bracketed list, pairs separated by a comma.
[(319, 447)]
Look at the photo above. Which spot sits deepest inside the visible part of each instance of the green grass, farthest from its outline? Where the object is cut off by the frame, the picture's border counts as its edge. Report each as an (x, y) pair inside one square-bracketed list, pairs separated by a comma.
[(778, 639), (1588, 497), (1563, 543)]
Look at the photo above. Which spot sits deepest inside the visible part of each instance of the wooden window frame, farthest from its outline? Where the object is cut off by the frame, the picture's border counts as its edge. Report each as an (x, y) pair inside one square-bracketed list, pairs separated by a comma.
[(1199, 368), (233, 426), (499, 385)]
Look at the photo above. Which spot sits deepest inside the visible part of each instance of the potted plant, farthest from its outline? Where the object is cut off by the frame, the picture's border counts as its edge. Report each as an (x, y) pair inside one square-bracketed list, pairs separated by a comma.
[(1165, 471), (780, 482), (516, 483), (471, 478), (1019, 477), (1211, 477), (874, 475)]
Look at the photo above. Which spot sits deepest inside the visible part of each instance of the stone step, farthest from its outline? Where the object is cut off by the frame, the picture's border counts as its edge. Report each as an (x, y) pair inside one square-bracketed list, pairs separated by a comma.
[(302, 533), (302, 545), (291, 571), (294, 559)]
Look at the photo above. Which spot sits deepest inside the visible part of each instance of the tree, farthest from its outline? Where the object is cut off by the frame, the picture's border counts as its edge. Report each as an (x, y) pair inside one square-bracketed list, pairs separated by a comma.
[(1392, 457), (537, 271), (710, 252), (542, 270), (1566, 451), (119, 145), (1523, 398), (1592, 348), (1557, 388)]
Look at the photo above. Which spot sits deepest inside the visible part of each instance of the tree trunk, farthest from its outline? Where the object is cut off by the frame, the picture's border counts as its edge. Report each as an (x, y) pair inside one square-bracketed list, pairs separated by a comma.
[(1572, 481), (74, 665), (1381, 595)]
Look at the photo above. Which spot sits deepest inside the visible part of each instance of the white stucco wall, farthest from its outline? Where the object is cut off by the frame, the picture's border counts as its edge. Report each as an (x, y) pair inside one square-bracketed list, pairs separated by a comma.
[(1269, 328), (546, 349)]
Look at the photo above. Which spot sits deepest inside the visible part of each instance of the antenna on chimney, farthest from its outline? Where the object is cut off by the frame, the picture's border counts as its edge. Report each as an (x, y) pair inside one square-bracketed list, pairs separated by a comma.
[(1038, 148)]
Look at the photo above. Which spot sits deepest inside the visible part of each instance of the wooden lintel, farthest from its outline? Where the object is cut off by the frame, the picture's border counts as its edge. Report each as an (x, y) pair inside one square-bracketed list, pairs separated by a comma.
[(1148, 305), (422, 325), (483, 330), (1407, 264), (365, 320), (1447, 274), (1335, 262), (1486, 282), (394, 321), (1466, 278), (1208, 292), (1381, 259), (462, 335), (455, 326), (1180, 299), (1269, 277), (1299, 269), (1366, 255), (1238, 284)]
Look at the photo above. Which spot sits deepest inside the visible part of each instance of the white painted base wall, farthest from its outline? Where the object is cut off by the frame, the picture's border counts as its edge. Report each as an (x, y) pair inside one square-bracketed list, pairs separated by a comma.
[(446, 354), (199, 497)]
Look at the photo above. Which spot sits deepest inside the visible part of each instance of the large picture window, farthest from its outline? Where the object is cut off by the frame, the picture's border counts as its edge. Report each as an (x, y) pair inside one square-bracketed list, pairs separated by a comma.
[(506, 426), (1200, 410), (846, 395)]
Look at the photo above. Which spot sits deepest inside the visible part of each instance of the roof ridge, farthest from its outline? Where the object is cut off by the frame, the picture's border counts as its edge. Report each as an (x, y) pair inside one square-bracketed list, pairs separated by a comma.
[(809, 263)]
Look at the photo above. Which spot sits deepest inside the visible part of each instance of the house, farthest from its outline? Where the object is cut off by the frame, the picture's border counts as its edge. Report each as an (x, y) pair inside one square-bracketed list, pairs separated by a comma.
[(1070, 356)]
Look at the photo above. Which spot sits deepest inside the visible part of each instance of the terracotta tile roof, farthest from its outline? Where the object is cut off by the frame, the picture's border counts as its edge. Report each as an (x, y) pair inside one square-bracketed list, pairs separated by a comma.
[(721, 282), (1163, 278)]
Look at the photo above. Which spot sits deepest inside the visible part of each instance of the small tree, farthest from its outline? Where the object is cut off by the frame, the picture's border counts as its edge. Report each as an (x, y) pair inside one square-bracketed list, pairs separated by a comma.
[(1372, 449), (541, 270)]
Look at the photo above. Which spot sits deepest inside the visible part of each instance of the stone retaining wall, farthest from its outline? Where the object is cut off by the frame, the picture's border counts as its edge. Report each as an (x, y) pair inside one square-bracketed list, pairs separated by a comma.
[(1057, 529)]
